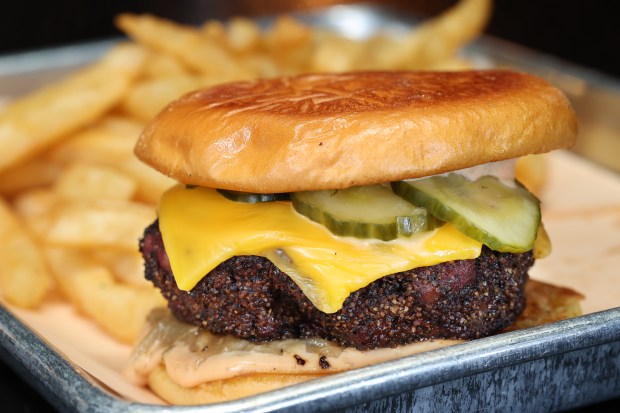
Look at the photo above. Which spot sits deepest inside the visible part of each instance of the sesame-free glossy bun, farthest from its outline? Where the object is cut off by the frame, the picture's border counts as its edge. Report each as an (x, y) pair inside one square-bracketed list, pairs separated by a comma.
[(220, 390), (329, 131)]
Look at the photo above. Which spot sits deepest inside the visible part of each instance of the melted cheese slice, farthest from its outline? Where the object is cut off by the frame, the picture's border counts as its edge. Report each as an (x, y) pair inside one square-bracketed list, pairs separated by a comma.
[(201, 229)]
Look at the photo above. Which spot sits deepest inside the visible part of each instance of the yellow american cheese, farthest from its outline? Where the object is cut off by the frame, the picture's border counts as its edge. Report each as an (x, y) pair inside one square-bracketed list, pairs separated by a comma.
[(201, 229)]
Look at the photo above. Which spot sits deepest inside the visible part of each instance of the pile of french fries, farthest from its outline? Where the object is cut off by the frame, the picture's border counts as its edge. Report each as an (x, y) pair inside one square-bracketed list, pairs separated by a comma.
[(74, 201)]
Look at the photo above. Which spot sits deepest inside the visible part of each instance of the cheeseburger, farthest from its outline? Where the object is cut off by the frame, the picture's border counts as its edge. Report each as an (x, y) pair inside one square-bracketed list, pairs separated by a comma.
[(324, 222)]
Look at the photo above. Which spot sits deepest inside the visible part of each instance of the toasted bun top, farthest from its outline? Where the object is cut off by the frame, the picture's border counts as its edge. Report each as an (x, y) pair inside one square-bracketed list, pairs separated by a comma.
[(329, 131)]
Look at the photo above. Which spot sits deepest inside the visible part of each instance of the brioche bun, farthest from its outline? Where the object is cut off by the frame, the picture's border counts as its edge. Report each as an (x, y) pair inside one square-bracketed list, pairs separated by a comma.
[(221, 390), (330, 131)]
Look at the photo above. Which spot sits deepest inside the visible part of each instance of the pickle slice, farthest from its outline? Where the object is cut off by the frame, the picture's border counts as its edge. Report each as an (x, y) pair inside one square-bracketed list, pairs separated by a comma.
[(504, 218), (252, 198), (364, 212)]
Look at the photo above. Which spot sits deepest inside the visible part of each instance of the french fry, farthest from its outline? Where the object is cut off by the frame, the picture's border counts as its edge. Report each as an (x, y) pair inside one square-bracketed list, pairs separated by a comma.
[(262, 64), (384, 51), (215, 31), (291, 45), (243, 35), (127, 266), (30, 124), (31, 174), (113, 224), (198, 52), (286, 34), (24, 279), (337, 55), (34, 207), (117, 308), (105, 143), (110, 143), (65, 264), (151, 183), (163, 65), (147, 98), (91, 182), (438, 39)]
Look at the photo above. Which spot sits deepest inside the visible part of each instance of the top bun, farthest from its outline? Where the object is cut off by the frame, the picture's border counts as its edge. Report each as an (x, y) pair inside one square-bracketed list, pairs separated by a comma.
[(331, 131)]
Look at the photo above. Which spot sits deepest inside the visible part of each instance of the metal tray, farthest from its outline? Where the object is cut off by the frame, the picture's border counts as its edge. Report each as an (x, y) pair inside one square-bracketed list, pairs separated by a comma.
[(553, 367)]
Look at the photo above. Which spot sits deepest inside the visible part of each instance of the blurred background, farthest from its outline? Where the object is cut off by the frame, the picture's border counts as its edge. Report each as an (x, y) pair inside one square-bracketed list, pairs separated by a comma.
[(584, 32)]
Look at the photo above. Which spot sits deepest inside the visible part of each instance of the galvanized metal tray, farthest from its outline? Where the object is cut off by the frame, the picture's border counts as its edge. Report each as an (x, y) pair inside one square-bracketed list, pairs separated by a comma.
[(547, 368), (553, 367)]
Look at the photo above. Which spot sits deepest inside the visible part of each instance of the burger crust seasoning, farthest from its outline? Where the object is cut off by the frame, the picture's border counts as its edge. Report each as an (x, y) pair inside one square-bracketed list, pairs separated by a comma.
[(397, 136)]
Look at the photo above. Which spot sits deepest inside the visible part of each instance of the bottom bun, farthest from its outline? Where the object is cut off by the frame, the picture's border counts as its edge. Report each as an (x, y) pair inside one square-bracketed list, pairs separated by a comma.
[(220, 390), (545, 303)]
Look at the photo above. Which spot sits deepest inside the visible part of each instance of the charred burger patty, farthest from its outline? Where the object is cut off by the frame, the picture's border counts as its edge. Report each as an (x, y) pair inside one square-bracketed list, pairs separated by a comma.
[(250, 298)]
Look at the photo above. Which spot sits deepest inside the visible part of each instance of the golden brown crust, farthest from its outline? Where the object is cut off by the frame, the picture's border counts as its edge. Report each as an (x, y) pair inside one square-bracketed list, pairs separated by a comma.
[(220, 390), (338, 130), (546, 303)]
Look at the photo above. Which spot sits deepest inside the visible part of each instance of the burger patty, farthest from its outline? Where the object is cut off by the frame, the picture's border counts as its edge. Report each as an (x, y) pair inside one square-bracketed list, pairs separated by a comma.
[(250, 298)]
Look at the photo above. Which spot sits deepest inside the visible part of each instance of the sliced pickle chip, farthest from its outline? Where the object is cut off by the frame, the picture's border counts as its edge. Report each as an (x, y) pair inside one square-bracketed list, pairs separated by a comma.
[(504, 218), (364, 212), (252, 198)]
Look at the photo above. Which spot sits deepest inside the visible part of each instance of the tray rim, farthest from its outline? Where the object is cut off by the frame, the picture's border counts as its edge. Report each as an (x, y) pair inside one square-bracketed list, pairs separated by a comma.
[(69, 388)]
